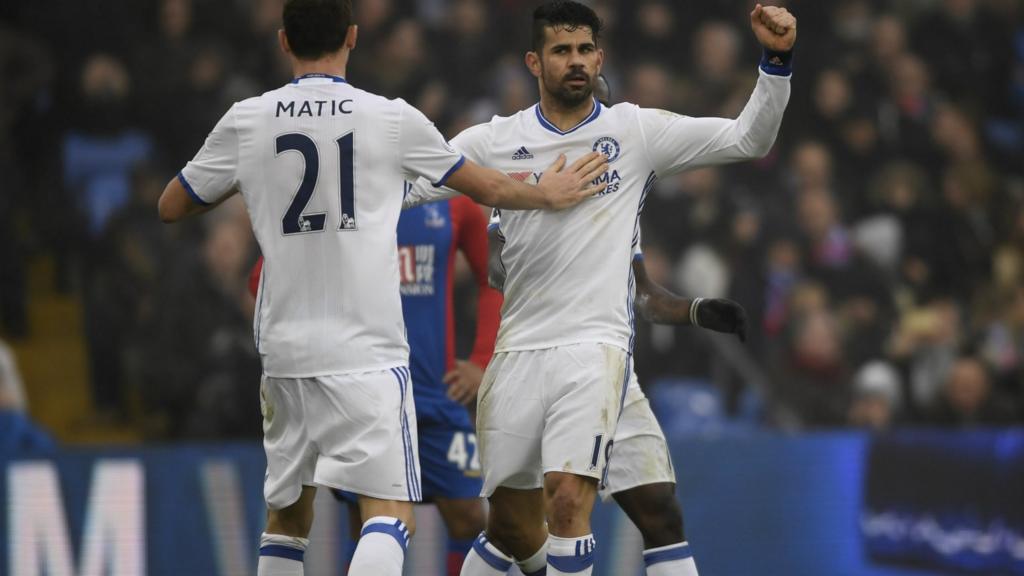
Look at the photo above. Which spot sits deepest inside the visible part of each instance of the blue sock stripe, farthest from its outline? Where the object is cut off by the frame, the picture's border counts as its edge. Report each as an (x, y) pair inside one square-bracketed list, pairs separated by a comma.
[(396, 531), (500, 564), (681, 552), (571, 564), (279, 551)]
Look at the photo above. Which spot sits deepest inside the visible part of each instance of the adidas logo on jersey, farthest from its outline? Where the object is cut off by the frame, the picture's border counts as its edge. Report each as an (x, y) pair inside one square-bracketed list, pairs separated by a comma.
[(522, 154)]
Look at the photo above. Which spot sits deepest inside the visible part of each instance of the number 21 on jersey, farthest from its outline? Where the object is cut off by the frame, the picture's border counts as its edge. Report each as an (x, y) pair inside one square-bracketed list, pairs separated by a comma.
[(294, 220)]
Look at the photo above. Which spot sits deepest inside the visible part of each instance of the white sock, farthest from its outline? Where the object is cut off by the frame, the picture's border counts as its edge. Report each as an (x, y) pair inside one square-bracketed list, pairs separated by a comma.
[(381, 548), (671, 560), (281, 555), (571, 555), (484, 559), (535, 565)]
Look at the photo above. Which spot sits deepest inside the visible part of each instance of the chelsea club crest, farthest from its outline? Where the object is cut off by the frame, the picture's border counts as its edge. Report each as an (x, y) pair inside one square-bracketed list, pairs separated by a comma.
[(608, 146)]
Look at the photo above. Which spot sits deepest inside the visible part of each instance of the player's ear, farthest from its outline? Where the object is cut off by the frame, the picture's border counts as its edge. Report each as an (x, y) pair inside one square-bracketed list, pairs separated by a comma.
[(600, 59), (350, 36), (282, 39), (533, 63)]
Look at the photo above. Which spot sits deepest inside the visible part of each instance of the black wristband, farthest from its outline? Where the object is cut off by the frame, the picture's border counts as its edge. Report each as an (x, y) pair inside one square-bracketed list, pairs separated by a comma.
[(777, 63)]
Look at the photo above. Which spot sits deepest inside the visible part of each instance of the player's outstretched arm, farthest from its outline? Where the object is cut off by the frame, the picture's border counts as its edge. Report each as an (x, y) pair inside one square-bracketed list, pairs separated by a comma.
[(676, 143), (558, 188), (658, 305), (176, 203)]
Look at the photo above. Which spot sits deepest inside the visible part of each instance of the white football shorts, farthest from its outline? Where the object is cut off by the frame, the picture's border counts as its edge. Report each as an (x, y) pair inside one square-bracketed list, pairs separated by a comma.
[(354, 432), (550, 410), (639, 453)]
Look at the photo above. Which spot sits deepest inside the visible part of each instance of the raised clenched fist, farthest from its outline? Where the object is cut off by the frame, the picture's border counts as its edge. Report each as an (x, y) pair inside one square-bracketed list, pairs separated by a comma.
[(774, 27)]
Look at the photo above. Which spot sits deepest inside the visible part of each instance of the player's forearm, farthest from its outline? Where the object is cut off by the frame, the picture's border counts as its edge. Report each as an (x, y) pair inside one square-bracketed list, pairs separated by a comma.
[(758, 124), (488, 314), (509, 194), (492, 188), (655, 303), (662, 307)]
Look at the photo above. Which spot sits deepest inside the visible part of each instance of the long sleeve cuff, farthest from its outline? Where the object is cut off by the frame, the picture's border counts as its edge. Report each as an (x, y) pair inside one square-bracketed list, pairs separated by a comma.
[(777, 63)]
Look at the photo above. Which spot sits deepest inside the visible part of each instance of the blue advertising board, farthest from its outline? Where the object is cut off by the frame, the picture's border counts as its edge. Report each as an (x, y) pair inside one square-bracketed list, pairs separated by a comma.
[(759, 504)]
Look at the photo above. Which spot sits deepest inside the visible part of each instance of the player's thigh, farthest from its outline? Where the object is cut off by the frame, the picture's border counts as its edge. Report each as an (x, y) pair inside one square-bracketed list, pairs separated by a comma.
[(449, 462), (640, 454), (510, 422), (291, 453), (585, 397), (364, 426)]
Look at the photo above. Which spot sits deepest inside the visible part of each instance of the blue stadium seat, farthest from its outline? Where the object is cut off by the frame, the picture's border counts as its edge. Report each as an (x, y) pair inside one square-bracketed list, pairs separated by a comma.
[(693, 407)]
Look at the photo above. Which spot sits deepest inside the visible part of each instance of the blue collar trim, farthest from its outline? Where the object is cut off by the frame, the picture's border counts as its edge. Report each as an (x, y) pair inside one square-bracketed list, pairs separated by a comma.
[(318, 75), (547, 124)]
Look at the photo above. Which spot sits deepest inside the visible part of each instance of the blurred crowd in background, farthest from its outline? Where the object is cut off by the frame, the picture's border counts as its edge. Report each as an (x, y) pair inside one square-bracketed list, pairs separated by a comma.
[(879, 248)]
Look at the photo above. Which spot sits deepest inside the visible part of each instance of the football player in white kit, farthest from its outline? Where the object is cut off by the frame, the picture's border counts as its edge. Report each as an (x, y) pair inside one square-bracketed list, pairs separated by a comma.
[(550, 399), (322, 167), (639, 474)]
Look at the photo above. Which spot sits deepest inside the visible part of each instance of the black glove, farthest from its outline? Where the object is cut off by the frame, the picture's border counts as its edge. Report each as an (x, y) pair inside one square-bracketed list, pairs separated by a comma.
[(720, 315)]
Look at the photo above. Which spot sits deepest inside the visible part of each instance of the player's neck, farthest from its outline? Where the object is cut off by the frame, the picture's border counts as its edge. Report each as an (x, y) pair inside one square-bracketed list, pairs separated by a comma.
[(562, 117), (331, 65)]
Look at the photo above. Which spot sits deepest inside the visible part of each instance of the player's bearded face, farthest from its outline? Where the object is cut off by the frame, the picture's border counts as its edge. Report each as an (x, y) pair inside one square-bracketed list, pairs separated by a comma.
[(570, 88), (569, 65)]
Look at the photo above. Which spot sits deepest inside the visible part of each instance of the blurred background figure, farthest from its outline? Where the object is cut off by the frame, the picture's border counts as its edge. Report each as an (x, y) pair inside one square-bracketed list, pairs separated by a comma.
[(877, 396), (968, 398)]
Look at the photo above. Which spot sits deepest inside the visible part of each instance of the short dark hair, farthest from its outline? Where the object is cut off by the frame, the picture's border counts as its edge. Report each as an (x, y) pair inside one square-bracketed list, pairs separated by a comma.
[(316, 27), (567, 14)]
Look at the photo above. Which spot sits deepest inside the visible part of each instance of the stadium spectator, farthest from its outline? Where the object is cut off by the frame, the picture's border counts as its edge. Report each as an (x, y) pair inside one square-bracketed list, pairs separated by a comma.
[(968, 398), (877, 396)]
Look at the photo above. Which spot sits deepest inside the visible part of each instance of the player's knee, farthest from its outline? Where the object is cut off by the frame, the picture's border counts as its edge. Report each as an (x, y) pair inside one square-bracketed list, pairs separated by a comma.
[(289, 522), (567, 501)]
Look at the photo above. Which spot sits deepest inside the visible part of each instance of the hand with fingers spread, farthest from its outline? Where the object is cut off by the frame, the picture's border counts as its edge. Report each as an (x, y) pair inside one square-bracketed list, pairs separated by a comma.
[(568, 187), (774, 27)]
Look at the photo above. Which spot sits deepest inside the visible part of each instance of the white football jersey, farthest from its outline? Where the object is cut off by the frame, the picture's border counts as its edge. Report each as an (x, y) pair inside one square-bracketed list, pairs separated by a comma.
[(322, 167), (569, 277)]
